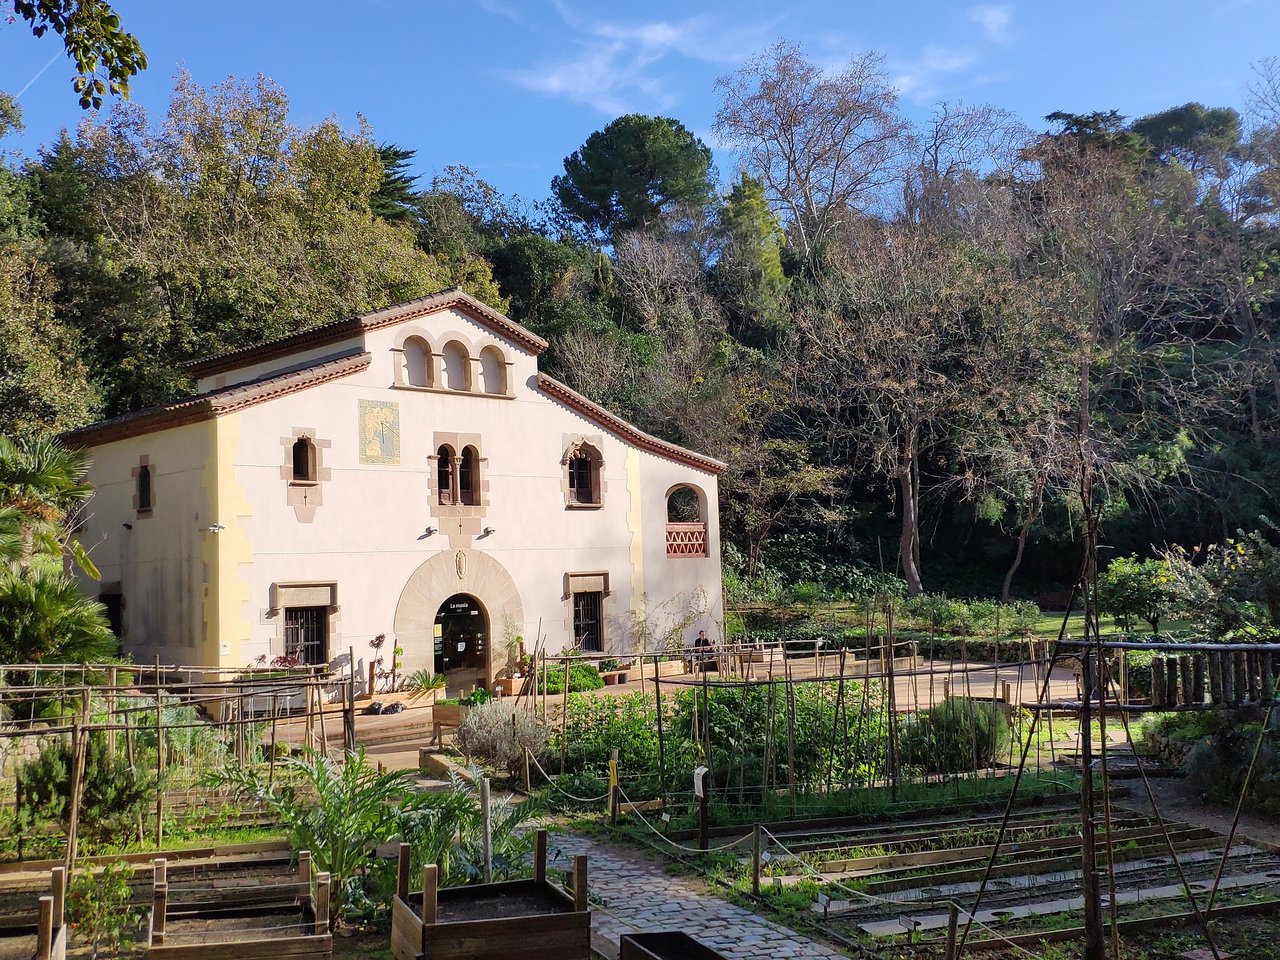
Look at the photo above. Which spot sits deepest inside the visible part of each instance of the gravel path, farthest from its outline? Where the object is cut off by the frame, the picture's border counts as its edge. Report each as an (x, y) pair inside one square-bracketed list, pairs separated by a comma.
[(630, 892)]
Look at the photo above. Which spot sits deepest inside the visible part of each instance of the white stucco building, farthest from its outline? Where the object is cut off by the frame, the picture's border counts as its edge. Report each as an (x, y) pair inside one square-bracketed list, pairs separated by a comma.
[(406, 474)]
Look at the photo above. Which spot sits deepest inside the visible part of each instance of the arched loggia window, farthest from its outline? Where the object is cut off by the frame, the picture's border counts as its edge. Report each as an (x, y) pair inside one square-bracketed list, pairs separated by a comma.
[(446, 487), (469, 476)]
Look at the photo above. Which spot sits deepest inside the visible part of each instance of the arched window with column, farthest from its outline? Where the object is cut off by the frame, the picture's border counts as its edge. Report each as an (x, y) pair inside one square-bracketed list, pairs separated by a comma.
[(446, 488), (417, 362), (469, 476), (686, 521)]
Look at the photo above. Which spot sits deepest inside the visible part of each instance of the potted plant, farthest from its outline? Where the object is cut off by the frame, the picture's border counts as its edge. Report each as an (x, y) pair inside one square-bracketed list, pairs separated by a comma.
[(424, 685), (449, 713)]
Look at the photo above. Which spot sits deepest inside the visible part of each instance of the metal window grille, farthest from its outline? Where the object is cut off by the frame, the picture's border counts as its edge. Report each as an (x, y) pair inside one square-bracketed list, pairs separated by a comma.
[(587, 624), (306, 634)]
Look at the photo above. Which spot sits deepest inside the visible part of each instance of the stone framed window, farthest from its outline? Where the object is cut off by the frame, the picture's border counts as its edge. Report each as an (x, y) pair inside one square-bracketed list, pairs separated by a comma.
[(582, 479), (587, 598), (144, 489), (304, 472)]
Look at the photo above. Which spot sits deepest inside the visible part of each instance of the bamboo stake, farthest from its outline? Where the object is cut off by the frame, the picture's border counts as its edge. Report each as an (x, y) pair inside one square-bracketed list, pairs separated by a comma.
[(662, 758), (159, 762), (564, 720)]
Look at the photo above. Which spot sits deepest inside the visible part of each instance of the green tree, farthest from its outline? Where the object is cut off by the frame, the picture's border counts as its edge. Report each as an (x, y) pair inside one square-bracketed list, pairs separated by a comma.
[(395, 200), (105, 55), (44, 618), (749, 276), (225, 225), (1132, 589), (1196, 136), (42, 485), (632, 172)]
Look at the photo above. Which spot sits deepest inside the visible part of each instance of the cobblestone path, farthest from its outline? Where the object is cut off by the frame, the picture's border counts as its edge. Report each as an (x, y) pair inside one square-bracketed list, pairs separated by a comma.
[(630, 892)]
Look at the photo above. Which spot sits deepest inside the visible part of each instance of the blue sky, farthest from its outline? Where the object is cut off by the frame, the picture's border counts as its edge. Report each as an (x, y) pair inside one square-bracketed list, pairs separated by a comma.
[(510, 87)]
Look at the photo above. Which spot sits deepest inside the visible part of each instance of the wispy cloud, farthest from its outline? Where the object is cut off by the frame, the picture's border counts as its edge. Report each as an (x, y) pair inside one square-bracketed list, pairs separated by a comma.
[(920, 77), (996, 20), (616, 64)]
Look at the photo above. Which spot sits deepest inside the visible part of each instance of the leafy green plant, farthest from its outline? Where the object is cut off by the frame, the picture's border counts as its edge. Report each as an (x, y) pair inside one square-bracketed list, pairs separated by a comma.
[(422, 682), (347, 811), (100, 909), (582, 677), (473, 699)]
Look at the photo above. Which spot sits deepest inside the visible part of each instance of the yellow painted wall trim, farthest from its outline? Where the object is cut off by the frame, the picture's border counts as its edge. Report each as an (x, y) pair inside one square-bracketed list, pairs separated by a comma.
[(228, 551)]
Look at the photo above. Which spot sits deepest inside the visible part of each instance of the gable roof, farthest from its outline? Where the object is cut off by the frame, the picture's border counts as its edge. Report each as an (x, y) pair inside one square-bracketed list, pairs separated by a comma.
[(625, 431), (207, 406), (349, 327)]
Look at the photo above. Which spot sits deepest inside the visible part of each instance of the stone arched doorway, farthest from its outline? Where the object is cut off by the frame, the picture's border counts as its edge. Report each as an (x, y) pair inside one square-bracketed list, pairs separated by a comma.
[(440, 580), (461, 640)]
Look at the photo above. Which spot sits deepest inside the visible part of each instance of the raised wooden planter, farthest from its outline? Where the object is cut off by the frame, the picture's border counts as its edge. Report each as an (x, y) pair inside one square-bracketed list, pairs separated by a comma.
[(530, 919), (285, 920), (664, 946), (446, 715)]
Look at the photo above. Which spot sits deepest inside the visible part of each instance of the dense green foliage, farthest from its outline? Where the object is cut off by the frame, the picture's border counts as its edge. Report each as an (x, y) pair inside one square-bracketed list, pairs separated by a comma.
[(115, 792), (1131, 589), (955, 735), (886, 330), (582, 677)]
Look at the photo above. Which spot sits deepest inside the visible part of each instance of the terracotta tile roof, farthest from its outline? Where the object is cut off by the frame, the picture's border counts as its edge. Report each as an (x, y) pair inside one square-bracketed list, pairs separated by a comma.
[(619, 427), (210, 405), (350, 327)]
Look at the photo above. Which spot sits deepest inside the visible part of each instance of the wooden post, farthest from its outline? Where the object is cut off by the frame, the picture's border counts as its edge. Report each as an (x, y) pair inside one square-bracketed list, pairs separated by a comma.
[(791, 732), (159, 911), (321, 904), (703, 820), (159, 761), (580, 883), (349, 714), (486, 815), (613, 787), (1242, 676), (404, 860), (430, 882), (1251, 672), (111, 711), (1094, 948), (304, 867), (953, 920), (540, 856), (1214, 661), (528, 781), (1188, 688), (271, 757), (1171, 681), (1158, 687), (58, 890), (159, 871), (324, 736), (1197, 679), (756, 850), (662, 759), (44, 929), (564, 719), (79, 746)]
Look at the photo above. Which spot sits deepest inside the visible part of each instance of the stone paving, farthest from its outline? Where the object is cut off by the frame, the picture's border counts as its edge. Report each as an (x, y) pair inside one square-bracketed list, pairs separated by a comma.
[(630, 892)]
